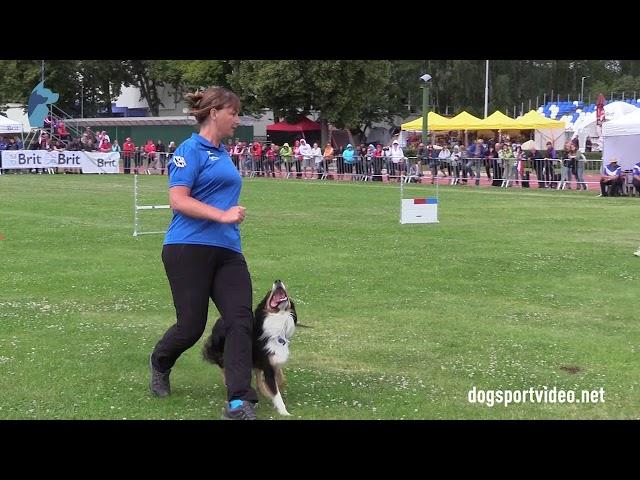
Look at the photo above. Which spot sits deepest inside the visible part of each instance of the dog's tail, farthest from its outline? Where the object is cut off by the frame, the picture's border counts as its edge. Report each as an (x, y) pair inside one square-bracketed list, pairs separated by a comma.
[(213, 351), (260, 383)]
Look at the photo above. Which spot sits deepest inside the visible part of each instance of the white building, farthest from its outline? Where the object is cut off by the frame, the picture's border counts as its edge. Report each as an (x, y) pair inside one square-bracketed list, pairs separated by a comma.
[(130, 104)]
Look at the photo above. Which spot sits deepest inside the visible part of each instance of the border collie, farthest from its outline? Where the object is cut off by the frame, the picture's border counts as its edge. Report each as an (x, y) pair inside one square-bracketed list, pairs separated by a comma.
[(274, 323)]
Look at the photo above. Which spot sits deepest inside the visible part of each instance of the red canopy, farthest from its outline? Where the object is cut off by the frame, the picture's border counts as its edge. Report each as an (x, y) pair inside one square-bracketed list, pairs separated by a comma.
[(303, 125)]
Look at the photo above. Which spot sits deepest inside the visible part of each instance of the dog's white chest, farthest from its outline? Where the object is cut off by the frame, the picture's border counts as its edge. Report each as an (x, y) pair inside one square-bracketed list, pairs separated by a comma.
[(278, 328)]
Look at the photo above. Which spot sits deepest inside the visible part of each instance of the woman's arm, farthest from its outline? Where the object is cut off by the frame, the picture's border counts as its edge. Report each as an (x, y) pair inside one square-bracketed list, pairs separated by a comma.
[(181, 200)]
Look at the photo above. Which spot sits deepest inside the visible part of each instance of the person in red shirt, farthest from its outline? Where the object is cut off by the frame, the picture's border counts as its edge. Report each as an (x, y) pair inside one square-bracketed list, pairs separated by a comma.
[(62, 131), (256, 152), (128, 152), (270, 158), (105, 145), (150, 152), (297, 158)]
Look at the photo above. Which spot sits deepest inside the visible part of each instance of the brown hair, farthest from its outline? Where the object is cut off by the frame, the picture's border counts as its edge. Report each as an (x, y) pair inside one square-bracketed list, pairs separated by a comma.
[(201, 102)]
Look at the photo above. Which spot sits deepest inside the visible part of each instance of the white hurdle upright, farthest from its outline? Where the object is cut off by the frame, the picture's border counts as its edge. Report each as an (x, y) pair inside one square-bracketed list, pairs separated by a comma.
[(137, 207)]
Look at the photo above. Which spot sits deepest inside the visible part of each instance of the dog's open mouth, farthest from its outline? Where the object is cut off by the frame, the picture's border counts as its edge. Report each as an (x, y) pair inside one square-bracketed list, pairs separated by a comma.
[(279, 295)]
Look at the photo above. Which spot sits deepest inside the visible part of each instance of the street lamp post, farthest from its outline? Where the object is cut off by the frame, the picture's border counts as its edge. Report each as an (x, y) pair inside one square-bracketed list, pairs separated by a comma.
[(425, 102), (81, 80), (486, 90), (582, 89)]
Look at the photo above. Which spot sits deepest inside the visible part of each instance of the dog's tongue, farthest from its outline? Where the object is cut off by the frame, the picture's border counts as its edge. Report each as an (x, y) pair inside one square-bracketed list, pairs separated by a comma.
[(277, 297)]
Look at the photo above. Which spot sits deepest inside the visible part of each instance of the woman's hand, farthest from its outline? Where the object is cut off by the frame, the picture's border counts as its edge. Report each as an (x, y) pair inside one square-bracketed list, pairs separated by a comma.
[(233, 215)]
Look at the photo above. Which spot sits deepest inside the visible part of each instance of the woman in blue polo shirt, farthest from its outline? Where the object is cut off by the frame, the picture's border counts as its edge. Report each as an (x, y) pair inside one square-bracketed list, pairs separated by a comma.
[(202, 254)]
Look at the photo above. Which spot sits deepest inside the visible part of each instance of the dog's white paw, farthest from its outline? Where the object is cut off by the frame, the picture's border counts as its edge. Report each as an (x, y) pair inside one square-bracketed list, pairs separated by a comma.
[(280, 406)]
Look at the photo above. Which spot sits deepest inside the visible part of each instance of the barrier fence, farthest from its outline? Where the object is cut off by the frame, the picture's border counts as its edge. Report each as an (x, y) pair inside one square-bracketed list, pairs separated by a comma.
[(505, 173)]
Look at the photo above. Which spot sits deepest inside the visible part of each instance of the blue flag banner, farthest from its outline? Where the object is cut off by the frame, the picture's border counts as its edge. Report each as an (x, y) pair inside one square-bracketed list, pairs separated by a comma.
[(38, 107)]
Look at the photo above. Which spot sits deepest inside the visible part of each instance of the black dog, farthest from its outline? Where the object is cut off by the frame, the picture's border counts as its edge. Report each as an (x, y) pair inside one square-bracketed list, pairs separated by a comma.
[(274, 323)]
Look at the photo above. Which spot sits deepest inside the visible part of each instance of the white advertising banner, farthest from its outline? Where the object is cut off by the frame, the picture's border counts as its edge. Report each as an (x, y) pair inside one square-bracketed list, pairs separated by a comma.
[(94, 162), (89, 162)]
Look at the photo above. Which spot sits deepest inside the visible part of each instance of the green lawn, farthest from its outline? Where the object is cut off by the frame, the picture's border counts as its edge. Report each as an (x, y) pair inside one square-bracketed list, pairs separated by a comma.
[(512, 290)]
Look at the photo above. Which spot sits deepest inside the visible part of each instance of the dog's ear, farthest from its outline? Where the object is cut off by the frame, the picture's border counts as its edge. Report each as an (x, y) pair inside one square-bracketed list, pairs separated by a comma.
[(295, 316), (262, 305), (292, 307)]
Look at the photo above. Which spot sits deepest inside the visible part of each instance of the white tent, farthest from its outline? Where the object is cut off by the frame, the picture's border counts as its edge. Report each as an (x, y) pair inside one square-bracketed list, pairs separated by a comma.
[(9, 126), (622, 140), (585, 125), (556, 136)]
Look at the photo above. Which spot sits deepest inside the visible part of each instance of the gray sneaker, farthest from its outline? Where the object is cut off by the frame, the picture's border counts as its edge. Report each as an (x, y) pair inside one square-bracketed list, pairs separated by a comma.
[(244, 412), (159, 382)]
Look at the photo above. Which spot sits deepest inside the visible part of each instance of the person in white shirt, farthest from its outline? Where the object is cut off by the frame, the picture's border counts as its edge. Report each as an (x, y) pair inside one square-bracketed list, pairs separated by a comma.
[(397, 160), (307, 159), (316, 153), (444, 159)]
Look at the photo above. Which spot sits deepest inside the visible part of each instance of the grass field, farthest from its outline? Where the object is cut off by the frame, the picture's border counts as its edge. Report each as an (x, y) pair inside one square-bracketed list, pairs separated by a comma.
[(512, 290)]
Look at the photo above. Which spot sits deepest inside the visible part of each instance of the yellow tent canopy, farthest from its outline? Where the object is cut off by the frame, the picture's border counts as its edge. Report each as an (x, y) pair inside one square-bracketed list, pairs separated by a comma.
[(465, 121), (499, 121), (534, 120), (434, 122), (547, 130), (496, 121)]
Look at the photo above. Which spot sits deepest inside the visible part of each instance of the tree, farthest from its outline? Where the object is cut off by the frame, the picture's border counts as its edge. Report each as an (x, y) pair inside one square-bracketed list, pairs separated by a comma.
[(627, 85), (342, 91), (189, 75), (18, 78), (404, 95), (96, 86), (179, 76), (99, 82), (347, 93), (201, 73), (148, 76)]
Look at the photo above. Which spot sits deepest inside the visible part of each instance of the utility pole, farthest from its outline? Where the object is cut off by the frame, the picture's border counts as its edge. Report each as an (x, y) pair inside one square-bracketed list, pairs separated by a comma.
[(425, 105), (486, 90)]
